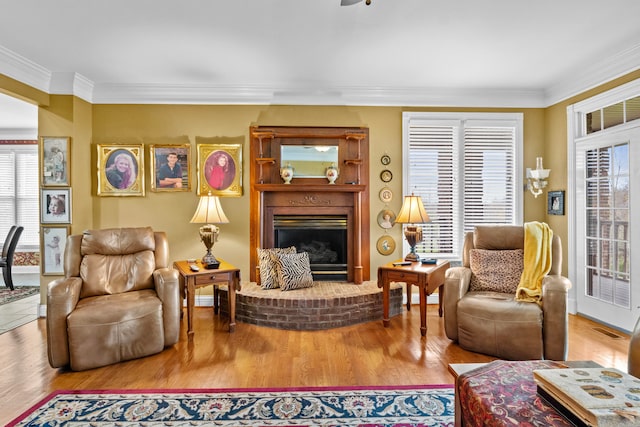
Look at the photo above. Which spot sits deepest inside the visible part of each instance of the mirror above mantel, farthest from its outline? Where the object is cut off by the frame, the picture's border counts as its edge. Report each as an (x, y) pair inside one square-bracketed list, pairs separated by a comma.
[(309, 161)]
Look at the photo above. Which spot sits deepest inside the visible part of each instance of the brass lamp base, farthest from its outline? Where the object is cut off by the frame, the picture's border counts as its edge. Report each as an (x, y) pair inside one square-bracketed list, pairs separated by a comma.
[(413, 234), (209, 235)]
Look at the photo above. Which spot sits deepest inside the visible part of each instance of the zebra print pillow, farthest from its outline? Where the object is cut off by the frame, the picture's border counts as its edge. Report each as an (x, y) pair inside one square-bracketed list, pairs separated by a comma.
[(294, 270), (268, 272)]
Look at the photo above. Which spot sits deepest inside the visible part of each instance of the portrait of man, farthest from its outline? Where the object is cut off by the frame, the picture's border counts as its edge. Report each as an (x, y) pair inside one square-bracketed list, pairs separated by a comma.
[(170, 172)]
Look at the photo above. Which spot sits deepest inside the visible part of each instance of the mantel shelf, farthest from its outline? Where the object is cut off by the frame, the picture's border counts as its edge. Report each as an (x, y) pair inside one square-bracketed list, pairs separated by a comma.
[(333, 188), (263, 160)]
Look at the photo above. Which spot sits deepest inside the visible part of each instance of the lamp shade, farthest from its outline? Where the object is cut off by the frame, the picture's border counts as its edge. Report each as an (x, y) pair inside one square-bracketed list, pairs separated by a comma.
[(412, 211), (209, 211)]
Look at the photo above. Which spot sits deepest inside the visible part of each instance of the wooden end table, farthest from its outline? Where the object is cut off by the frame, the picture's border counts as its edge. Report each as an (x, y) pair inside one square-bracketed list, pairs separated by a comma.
[(226, 273), (428, 278)]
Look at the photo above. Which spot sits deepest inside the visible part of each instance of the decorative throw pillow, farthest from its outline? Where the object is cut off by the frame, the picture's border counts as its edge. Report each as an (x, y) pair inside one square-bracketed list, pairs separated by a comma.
[(294, 270), (268, 272), (497, 271)]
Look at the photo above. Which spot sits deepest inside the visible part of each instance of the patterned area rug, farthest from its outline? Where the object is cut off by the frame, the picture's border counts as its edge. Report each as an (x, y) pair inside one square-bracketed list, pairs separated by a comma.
[(7, 295), (399, 406)]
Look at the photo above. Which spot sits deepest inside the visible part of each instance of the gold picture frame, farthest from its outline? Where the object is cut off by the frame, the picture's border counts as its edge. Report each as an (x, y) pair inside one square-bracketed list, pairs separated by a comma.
[(170, 167), (120, 170), (53, 241), (55, 161), (219, 169)]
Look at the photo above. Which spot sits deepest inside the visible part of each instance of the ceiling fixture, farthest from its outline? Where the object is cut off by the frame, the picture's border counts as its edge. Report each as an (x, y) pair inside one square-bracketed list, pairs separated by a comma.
[(350, 2)]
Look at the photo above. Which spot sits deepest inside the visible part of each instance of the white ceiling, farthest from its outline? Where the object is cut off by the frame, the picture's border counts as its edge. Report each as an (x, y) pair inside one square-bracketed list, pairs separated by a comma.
[(393, 52)]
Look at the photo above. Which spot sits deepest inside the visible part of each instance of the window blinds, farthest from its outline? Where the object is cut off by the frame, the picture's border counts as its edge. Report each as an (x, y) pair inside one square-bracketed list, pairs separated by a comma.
[(466, 173), (19, 193)]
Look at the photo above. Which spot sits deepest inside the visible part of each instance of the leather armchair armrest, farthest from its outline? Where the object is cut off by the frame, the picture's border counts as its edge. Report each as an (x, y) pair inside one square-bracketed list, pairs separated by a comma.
[(555, 290), (456, 284), (168, 289), (62, 297)]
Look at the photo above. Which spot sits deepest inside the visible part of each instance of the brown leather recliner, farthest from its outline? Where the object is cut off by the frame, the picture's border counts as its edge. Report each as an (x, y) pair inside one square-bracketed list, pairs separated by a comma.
[(119, 299), (494, 323)]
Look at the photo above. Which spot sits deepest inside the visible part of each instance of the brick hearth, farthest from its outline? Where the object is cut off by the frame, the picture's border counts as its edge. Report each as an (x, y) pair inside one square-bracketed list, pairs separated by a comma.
[(326, 305)]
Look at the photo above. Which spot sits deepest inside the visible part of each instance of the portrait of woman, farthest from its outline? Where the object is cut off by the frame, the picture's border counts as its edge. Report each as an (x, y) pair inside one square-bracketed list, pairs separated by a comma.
[(220, 170), (121, 171)]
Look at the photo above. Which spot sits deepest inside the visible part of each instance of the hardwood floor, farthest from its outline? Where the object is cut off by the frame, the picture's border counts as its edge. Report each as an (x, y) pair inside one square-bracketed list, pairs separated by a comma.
[(253, 356)]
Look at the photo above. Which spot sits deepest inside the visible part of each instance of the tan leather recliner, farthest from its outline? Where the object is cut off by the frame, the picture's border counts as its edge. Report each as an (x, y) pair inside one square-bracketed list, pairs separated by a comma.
[(495, 323), (119, 299)]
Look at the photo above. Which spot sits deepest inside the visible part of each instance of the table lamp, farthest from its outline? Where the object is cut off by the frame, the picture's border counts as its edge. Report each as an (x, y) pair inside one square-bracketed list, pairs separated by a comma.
[(412, 212), (209, 212)]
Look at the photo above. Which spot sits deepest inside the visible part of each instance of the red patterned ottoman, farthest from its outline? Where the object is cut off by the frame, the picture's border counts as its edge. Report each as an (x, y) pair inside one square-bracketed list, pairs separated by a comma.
[(503, 393)]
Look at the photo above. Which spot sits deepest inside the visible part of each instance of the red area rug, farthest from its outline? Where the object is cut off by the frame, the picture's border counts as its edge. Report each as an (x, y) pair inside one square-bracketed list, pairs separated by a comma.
[(399, 406)]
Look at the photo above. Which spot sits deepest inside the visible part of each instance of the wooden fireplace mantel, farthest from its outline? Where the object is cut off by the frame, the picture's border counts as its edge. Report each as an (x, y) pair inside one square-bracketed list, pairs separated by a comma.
[(349, 196)]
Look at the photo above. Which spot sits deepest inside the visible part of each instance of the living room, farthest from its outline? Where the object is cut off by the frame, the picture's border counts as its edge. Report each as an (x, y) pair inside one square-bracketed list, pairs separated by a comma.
[(72, 114)]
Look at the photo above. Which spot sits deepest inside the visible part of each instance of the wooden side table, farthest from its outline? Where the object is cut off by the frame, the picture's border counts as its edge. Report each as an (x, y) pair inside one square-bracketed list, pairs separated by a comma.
[(428, 278), (226, 273)]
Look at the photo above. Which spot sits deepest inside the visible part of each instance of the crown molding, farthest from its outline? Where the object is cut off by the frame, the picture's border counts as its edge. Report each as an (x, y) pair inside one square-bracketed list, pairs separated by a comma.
[(20, 68), (594, 74), (71, 83), (351, 96)]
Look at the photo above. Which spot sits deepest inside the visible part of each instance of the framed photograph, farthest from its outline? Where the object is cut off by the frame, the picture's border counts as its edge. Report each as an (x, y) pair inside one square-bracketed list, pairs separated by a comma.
[(55, 155), (220, 169), (386, 245), (55, 206), (555, 202), (120, 170), (170, 167), (386, 218), (53, 240)]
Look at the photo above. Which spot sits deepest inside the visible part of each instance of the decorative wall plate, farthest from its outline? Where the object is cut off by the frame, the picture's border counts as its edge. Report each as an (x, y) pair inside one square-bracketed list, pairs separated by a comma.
[(386, 175), (385, 160), (386, 195), (386, 245), (386, 218)]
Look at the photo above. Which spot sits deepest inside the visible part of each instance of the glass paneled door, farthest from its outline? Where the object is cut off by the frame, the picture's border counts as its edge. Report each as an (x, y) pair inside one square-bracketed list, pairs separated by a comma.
[(607, 180)]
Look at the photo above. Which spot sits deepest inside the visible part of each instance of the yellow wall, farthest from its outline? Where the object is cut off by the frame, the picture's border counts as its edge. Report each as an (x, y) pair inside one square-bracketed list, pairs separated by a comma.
[(178, 123), (544, 135)]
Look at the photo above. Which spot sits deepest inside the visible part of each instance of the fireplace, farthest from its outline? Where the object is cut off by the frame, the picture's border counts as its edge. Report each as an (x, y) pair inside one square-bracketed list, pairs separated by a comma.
[(323, 237), (335, 226)]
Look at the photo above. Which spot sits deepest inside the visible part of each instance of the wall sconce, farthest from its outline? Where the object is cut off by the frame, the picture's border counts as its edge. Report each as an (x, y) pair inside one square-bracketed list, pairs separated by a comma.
[(537, 178)]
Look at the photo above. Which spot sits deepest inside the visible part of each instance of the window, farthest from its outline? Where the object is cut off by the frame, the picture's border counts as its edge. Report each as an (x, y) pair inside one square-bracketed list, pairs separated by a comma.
[(467, 168), (19, 191)]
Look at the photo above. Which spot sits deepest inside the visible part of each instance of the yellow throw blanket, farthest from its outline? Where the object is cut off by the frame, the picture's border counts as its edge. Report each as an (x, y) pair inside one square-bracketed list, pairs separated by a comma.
[(537, 261)]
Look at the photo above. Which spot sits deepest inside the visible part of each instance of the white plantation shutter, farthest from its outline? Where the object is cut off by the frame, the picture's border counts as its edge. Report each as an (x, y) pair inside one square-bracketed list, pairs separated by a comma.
[(19, 193), (466, 168), (489, 175), (432, 176)]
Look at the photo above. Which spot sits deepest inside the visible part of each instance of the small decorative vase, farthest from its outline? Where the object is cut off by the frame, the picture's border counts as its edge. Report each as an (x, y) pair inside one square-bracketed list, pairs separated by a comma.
[(286, 173), (332, 174)]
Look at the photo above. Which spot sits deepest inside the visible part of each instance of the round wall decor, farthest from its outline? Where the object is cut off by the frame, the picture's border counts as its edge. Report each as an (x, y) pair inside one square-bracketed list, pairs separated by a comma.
[(386, 175), (386, 245), (386, 195), (385, 160), (386, 218)]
